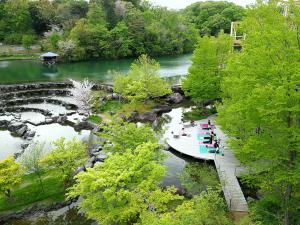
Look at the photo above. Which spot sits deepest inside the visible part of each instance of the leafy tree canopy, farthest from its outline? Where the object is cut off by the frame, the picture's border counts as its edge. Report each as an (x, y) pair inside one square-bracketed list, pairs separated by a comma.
[(207, 208), (66, 157), (124, 186), (142, 82), (124, 136), (261, 109), (211, 17), (209, 59), (10, 175)]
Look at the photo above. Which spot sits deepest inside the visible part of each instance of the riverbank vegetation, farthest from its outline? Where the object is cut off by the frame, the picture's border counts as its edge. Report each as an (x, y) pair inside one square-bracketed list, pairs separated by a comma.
[(39, 177), (83, 30), (257, 97)]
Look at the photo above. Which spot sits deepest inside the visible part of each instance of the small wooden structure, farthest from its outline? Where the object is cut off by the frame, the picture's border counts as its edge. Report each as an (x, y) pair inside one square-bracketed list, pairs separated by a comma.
[(237, 37), (49, 58)]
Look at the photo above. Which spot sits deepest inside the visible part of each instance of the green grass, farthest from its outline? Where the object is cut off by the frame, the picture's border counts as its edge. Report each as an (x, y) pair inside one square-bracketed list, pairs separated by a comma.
[(30, 192), (95, 119), (111, 106)]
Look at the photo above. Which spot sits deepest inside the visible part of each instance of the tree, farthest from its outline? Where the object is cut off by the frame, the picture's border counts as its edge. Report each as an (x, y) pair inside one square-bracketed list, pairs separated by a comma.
[(82, 94), (142, 82), (66, 157), (261, 109), (212, 17), (10, 175), (199, 177), (124, 186), (124, 136), (27, 41), (31, 161), (207, 208), (17, 20), (209, 59)]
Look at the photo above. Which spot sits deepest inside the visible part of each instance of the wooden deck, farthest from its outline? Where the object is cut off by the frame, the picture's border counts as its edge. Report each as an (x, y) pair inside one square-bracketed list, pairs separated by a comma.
[(228, 166)]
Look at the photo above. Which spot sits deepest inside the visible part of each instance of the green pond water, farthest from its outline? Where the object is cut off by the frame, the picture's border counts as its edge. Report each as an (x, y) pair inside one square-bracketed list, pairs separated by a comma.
[(18, 71)]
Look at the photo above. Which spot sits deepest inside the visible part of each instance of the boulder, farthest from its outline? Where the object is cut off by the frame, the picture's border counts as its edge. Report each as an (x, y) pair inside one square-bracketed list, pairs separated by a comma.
[(177, 89), (20, 132), (100, 157), (89, 165), (175, 98), (14, 126), (79, 170), (30, 133), (24, 145), (147, 117), (160, 109)]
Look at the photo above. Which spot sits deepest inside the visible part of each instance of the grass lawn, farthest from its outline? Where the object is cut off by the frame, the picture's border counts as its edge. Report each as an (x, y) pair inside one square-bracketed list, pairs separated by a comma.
[(30, 192)]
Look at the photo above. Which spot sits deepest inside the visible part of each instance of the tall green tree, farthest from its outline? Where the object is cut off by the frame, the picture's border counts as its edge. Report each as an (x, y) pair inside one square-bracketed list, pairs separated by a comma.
[(123, 136), (209, 59), (261, 109), (10, 175), (124, 186), (17, 20), (66, 157), (142, 82)]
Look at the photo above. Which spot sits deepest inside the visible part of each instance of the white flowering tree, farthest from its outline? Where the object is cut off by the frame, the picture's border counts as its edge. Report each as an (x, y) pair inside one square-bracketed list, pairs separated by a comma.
[(82, 94)]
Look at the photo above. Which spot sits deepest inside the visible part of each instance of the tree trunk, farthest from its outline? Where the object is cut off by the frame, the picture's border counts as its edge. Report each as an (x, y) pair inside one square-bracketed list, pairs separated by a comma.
[(41, 182)]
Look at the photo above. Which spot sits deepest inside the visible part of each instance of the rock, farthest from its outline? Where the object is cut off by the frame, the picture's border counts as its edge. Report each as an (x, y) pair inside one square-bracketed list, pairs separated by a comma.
[(250, 199), (100, 157), (79, 170), (92, 159), (161, 109), (175, 98), (61, 119), (89, 165), (48, 120), (177, 89), (20, 132), (14, 126), (147, 117), (30, 133), (24, 145)]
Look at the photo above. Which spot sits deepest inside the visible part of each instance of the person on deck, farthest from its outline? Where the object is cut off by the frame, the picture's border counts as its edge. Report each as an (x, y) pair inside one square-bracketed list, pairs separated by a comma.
[(212, 137)]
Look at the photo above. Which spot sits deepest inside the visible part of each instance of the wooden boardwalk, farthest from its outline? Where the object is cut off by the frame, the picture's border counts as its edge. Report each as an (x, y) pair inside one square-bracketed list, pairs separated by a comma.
[(228, 166)]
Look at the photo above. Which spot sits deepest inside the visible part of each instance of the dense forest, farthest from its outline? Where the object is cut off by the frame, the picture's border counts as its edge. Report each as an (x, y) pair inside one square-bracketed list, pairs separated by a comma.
[(81, 30)]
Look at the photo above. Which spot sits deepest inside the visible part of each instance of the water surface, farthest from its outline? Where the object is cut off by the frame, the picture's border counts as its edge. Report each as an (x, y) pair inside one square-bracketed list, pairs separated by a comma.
[(172, 67)]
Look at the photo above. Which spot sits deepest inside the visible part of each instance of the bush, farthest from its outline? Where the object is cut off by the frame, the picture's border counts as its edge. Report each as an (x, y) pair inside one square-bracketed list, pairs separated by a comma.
[(27, 41)]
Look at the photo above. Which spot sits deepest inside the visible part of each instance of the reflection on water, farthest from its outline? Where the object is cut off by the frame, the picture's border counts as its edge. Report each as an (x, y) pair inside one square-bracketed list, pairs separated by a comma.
[(4, 64), (9, 144), (51, 132), (44, 134), (29, 71)]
